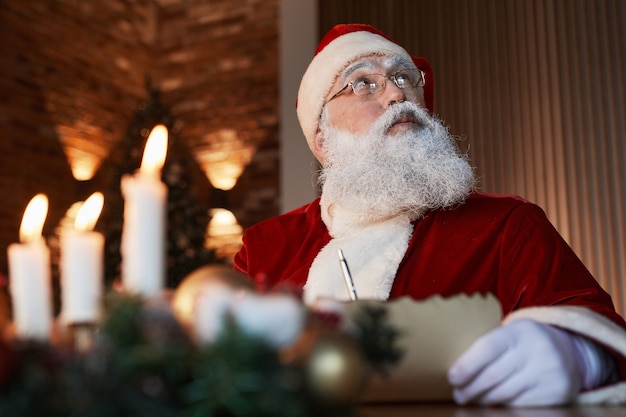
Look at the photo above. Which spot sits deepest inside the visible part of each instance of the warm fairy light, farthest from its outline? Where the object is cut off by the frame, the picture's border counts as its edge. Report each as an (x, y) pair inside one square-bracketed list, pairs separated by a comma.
[(85, 145), (223, 233), (34, 218), (224, 157), (223, 223), (155, 151), (89, 212), (224, 175), (83, 167)]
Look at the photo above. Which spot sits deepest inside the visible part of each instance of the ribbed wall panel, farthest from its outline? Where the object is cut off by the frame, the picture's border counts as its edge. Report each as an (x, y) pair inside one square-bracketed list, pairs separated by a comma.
[(537, 90)]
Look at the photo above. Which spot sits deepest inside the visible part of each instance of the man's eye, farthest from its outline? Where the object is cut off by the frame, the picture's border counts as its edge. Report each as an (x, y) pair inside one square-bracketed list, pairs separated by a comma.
[(403, 78), (364, 85)]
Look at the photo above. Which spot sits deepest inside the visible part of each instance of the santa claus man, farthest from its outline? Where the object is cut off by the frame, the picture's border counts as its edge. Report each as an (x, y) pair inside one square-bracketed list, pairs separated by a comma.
[(399, 200)]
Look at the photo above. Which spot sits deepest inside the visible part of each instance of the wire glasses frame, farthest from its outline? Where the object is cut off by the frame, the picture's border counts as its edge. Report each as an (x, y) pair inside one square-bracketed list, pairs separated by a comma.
[(373, 83)]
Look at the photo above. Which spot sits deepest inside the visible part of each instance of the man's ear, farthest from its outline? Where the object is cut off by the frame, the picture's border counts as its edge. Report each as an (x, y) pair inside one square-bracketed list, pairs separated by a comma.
[(319, 147)]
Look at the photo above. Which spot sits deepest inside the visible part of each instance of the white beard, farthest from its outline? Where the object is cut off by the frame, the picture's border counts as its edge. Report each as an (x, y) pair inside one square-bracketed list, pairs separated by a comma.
[(373, 187), (380, 176)]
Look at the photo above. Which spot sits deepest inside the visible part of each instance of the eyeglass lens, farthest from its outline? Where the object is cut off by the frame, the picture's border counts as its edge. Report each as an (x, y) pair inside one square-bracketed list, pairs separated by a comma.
[(372, 83)]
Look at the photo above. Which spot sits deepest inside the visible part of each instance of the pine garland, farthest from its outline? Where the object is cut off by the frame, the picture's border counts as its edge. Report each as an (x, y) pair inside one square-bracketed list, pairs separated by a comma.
[(376, 338), (143, 364)]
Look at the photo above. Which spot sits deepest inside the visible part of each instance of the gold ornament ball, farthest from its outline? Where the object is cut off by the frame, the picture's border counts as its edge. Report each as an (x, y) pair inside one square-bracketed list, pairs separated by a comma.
[(335, 369), (185, 294)]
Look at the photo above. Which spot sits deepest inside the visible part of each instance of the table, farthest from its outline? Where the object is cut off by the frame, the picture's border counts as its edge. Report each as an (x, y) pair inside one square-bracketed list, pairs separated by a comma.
[(452, 410)]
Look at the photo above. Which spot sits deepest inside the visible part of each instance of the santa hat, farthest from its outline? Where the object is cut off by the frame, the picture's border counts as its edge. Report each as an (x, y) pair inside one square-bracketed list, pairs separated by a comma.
[(342, 45)]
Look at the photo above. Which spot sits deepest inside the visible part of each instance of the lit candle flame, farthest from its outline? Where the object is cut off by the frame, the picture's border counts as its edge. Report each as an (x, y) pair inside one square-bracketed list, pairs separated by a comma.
[(89, 212), (34, 218), (155, 151)]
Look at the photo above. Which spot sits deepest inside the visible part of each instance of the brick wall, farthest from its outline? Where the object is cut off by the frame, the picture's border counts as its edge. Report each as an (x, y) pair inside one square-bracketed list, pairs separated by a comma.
[(73, 72), (218, 71)]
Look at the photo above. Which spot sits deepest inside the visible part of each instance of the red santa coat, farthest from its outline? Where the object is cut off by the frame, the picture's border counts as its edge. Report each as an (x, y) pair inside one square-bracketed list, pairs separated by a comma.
[(497, 244), (490, 244)]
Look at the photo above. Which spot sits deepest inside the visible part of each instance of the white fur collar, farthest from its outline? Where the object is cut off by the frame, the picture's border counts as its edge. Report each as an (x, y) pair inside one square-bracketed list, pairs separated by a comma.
[(373, 252)]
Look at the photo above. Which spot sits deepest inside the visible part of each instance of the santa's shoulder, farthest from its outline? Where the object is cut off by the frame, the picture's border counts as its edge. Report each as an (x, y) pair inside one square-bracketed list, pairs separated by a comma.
[(300, 218), (494, 206)]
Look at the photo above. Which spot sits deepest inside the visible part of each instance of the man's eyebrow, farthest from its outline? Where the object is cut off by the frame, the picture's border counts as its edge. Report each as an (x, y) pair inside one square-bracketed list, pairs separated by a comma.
[(392, 62), (355, 67), (397, 61)]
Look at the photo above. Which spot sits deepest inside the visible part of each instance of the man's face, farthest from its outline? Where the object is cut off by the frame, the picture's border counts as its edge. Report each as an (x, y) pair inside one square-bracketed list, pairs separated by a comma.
[(356, 114), (382, 153)]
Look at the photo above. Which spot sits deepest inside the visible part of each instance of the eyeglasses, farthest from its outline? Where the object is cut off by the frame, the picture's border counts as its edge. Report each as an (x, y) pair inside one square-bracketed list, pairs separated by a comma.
[(374, 83)]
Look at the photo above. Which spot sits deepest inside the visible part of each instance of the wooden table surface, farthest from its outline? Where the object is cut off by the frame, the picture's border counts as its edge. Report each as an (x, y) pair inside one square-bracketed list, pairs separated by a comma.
[(451, 410)]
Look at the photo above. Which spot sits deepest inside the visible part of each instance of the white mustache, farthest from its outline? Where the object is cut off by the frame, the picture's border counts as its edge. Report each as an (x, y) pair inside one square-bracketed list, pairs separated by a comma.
[(398, 111)]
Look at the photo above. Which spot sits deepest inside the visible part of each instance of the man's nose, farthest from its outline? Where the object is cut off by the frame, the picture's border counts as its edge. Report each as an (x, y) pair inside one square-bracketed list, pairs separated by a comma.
[(393, 94)]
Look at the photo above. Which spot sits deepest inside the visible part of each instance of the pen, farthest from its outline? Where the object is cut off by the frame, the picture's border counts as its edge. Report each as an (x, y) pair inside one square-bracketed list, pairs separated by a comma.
[(347, 276)]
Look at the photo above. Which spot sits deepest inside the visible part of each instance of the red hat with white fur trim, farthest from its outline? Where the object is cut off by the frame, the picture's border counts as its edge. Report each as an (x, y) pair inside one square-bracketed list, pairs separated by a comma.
[(342, 45)]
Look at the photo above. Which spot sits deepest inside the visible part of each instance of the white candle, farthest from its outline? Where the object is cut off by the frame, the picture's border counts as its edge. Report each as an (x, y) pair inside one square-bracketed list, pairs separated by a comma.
[(143, 234), (29, 275), (82, 265)]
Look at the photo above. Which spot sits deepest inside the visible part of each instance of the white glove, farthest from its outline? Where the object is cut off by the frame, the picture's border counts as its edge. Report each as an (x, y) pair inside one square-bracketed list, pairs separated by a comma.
[(526, 363)]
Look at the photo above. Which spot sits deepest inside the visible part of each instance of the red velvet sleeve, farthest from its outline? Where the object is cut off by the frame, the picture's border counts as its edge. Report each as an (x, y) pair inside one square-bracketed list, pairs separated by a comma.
[(544, 270)]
